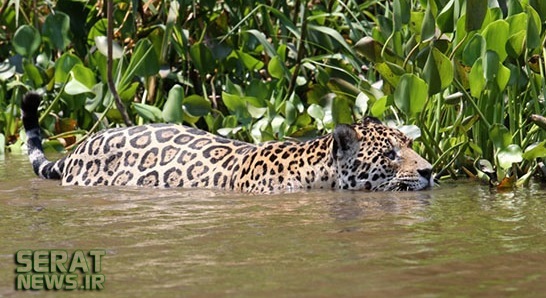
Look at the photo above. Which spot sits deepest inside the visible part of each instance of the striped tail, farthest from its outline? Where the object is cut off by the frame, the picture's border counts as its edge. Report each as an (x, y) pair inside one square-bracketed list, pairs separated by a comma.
[(42, 167)]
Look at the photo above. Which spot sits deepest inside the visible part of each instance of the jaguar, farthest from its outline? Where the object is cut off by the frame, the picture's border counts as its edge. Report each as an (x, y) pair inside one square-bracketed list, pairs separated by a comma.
[(367, 155)]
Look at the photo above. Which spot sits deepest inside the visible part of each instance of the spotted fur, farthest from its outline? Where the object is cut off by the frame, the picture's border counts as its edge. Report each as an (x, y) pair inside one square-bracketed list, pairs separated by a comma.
[(362, 156)]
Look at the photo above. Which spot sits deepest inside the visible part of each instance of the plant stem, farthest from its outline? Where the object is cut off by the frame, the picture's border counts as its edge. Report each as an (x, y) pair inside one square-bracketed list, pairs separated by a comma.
[(110, 62)]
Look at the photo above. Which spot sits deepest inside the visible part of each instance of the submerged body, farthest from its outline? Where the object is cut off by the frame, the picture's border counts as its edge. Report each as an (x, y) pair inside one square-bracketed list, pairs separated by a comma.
[(366, 155)]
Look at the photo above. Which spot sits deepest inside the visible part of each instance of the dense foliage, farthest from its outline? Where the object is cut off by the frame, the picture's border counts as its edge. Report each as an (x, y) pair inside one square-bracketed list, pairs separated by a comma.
[(470, 74)]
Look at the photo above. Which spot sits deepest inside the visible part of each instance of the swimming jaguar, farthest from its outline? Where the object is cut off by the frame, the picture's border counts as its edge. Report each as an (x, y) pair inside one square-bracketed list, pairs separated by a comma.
[(364, 156)]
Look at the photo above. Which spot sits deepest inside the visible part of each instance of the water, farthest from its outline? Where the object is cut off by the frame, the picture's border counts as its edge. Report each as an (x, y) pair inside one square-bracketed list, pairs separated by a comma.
[(459, 239)]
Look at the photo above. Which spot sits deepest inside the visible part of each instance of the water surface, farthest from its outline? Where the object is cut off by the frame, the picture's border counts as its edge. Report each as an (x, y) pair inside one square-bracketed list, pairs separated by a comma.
[(459, 239)]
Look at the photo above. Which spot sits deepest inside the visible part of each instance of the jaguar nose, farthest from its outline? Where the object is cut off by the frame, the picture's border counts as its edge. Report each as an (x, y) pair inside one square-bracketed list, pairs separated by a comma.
[(426, 173)]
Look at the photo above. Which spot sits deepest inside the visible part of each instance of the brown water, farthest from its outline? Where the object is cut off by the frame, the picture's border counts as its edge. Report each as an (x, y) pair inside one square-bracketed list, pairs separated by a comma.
[(459, 239)]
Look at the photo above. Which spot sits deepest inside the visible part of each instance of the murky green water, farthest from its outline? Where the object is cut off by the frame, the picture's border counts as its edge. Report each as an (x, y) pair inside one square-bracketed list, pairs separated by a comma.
[(458, 239)]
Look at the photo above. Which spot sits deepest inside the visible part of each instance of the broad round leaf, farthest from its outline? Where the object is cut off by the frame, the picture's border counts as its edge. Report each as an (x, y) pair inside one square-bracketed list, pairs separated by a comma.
[(56, 28), (201, 57), (379, 106), (533, 29), (509, 155), (445, 19), (291, 113), (102, 46), (476, 79), (64, 65), (401, 10), (474, 49), (81, 81), (490, 65), (249, 61), (438, 71), (500, 136), (341, 111), (428, 28), (411, 94), (361, 103), (196, 105), (496, 37), (172, 110), (275, 68), (535, 151), (475, 14), (503, 76), (26, 40), (316, 111)]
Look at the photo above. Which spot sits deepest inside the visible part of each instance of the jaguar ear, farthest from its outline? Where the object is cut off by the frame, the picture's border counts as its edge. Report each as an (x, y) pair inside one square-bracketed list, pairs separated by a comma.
[(345, 139), (369, 119)]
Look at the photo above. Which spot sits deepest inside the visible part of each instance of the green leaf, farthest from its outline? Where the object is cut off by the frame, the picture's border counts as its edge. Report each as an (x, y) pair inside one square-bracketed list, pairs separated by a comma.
[(26, 40), (474, 49), (514, 7), (475, 14), (509, 155), (500, 136), (333, 34), (428, 28), (144, 61), (341, 111), (102, 45), (237, 105), (277, 69), (517, 23), (387, 74), (496, 37), (503, 76), (81, 81), (32, 72), (316, 111), (259, 89), (172, 110), (410, 94), (445, 18), (534, 151), (476, 79), (268, 47), (290, 112), (148, 112), (379, 107), (64, 65), (196, 105), (516, 44), (490, 66), (128, 93), (401, 9), (540, 7), (249, 61), (533, 29), (201, 57), (361, 103), (56, 29), (438, 71), (370, 49)]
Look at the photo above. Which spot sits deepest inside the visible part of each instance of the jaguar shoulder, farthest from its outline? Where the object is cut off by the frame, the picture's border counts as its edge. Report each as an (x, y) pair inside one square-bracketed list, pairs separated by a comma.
[(363, 156)]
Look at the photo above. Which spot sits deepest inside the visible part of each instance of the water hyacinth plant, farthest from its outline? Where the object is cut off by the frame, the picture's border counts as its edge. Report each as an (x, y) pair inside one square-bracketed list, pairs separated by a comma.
[(469, 74)]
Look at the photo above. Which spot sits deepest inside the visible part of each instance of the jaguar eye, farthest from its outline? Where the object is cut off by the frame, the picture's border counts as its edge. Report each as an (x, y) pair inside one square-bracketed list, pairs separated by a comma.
[(391, 154)]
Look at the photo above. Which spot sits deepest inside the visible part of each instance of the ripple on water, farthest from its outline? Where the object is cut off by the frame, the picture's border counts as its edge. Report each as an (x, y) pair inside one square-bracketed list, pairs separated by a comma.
[(457, 239)]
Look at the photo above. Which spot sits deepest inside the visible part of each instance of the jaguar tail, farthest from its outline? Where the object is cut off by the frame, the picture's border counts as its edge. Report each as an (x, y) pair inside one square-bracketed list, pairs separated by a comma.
[(42, 167)]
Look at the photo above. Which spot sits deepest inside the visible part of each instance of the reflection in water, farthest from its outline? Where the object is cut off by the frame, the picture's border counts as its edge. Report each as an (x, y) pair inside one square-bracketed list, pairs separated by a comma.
[(458, 239)]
